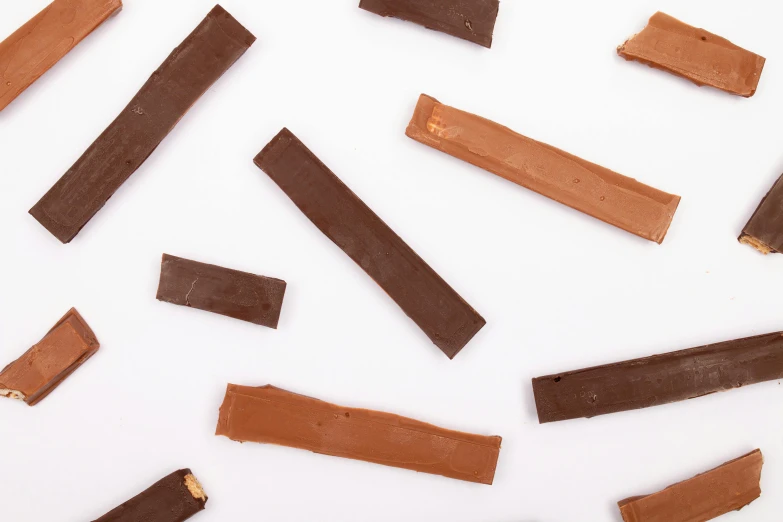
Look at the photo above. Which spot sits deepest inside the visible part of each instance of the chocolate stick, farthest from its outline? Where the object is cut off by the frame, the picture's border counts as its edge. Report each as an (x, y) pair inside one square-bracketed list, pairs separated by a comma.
[(764, 231)]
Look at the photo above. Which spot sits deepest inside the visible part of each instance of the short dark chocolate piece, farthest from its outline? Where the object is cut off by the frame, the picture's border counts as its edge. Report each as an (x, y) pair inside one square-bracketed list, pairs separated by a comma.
[(764, 231), (175, 498), (249, 297), (209, 51), (660, 379), (472, 20), (344, 218)]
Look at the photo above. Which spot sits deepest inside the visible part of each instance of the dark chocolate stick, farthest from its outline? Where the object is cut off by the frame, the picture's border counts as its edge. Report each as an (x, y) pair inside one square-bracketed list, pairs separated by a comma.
[(660, 379), (764, 231), (472, 20), (175, 498), (249, 297), (426, 298), (184, 77)]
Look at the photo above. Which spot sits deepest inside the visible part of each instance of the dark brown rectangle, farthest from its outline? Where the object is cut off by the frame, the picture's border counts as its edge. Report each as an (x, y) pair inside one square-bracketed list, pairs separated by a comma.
[(472, 20), (764, 231), (249, 297), (659, 379), (344, 218), (184, 77)]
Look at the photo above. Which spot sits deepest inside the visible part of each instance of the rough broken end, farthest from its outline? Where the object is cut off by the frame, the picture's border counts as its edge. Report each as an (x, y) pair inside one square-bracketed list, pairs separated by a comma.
[(757, 244), (193, 485), (12, 394)]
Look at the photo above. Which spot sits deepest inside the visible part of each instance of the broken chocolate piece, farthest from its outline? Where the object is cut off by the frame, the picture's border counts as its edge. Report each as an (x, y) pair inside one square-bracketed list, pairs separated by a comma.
[(270, 415), (249, 297), (764, 231), (46, 365), (184, 77), (659, 379), (472, 20), (40, 43), (426, 298), (695, 54), (175, 498), (584, 186), (727, 488)]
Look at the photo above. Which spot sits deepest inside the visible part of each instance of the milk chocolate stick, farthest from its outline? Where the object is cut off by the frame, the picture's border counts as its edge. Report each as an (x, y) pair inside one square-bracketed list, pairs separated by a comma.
[(764, 231)]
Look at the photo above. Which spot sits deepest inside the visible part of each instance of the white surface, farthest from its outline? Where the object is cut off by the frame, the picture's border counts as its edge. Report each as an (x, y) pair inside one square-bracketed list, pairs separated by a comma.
[(559, 290)]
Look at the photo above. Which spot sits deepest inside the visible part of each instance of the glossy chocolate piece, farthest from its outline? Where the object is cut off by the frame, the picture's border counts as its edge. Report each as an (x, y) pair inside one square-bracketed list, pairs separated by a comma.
[(40, 43), (426, 298), (584, 186), (270, 415), (695, 54), (184, 77), (659, 379), (472, 20), (46, 365), (727, 488), (764, 231), (174, 498), (249, 297)]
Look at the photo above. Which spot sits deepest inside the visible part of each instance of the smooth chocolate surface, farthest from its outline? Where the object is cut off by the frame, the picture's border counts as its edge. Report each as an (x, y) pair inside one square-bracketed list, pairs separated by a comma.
[(40, 43), (472, 20), (249, 297), (202, 58), (174, 498), (46, 365), (270, 415), (729, 487), (764, 231), (421, 293), (584, 186), (695, 54), (659, 379)]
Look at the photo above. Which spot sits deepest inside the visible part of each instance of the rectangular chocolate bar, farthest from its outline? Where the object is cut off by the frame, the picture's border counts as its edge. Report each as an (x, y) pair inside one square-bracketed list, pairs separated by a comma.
[(727, 488), (426, 298), (659, 379), (40, 43), (270, 415), (184, 77), (764, 231), (695, 54), (46, 365), (174, 498), (472, 20), (579, 184), (249, 297)]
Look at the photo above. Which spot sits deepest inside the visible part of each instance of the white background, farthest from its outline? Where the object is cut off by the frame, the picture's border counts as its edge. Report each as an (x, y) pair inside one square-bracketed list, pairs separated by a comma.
[(559, 290)]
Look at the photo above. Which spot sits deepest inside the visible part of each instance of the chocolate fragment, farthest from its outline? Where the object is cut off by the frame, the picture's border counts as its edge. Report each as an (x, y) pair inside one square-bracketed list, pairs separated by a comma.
[(40, 43), (426, 298), (46, 365), (696, 55), (764, 231), (249, 297), (472, 20), (270, 415), (727, 488), (584, 186), (174, 498), (201, 59)]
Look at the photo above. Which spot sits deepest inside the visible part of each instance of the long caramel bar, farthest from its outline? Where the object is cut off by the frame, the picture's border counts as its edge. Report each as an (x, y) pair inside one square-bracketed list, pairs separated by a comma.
[(695, 54), (202, 58), (660, 379), (764, 230), (270, 415), (433, 305), (45, 366), (727, 488), (584, 186), (40, 43)]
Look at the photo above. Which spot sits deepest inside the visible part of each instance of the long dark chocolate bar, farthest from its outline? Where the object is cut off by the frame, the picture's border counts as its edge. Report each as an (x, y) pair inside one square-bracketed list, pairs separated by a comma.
[(249, 297), (175, 498), (472, 20), (184, 77), (660, 379), (764, 231), (426, 298)]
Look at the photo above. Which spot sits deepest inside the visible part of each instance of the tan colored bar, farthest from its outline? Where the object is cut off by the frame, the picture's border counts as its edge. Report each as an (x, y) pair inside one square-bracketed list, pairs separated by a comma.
[(579, 184), (270, 415)]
